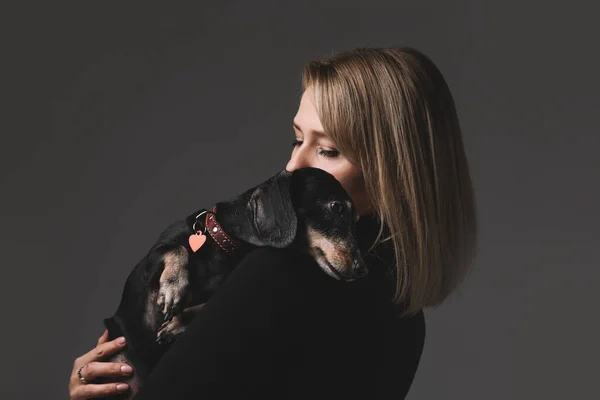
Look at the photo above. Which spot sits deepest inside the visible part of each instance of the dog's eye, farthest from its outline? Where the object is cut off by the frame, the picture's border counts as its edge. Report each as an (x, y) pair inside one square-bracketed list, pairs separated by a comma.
[(336, 207)]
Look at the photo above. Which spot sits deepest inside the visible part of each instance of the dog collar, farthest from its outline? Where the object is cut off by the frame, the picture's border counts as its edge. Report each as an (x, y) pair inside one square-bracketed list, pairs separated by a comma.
[(215, 230)]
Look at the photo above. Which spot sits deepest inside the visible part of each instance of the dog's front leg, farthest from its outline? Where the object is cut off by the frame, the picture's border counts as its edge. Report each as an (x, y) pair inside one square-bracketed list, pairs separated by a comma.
[(173, 282), (169, 330)]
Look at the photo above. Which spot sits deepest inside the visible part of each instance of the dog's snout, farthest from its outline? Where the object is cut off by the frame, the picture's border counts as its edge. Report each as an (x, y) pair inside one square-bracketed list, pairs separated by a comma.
[(359, 269)]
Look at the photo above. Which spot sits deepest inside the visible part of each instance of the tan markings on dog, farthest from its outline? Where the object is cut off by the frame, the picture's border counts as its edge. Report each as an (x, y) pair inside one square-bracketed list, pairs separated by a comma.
[(336, 252), (179, 322), (150, 317), (174, 279)]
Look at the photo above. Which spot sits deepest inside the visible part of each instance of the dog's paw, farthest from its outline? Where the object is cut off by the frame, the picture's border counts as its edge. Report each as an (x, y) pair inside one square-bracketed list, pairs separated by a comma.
[(173, 283), (171, 297), (169, 330)]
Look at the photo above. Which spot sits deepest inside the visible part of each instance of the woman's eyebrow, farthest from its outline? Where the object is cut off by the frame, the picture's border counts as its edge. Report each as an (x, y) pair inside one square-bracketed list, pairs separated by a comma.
[(314, 132)]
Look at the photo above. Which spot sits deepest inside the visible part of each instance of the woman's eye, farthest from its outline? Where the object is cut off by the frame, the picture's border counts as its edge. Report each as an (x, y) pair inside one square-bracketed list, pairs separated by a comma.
[(337, 207), (324, 153), (329, 153)]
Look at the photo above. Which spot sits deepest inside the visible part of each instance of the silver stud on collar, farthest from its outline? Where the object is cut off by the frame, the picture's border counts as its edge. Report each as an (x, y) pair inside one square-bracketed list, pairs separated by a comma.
[(215, 229)]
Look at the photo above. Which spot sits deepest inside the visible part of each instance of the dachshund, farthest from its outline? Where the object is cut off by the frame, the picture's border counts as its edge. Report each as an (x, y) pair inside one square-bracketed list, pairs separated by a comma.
[(306, 209)]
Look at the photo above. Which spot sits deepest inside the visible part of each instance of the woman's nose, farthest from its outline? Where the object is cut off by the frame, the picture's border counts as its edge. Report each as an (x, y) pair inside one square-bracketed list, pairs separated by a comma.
[(297, 161)]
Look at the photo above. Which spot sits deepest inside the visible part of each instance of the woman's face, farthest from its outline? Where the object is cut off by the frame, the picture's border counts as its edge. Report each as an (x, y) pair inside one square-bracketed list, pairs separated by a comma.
[(313, 148)]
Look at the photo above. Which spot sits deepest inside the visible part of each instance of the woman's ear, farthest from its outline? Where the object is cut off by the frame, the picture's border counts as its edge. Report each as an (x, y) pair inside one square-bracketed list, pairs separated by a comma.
[(271, 212)]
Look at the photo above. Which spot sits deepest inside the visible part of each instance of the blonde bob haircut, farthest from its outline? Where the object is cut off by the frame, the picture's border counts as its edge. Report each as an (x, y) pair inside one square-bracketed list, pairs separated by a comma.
[(390, 112)]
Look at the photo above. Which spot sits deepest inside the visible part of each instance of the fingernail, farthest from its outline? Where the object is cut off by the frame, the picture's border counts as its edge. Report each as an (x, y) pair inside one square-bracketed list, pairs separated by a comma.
[(121, 340), (122, 386), (126, 368)]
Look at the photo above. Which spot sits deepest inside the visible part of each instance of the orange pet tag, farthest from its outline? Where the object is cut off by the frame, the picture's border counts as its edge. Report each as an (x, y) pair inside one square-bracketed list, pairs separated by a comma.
[(196, 241)]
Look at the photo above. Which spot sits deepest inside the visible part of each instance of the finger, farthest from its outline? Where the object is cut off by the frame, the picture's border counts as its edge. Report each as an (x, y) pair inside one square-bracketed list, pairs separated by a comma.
[(104, 337), (95, 369), (91, 391), (101, 351)]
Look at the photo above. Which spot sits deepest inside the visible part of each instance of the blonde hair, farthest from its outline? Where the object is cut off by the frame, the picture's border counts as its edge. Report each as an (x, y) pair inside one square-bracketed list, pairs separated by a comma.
[(391, 113)]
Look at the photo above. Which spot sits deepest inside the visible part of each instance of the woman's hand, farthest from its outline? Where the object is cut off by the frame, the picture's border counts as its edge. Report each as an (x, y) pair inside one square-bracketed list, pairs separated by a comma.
[(92, 367)]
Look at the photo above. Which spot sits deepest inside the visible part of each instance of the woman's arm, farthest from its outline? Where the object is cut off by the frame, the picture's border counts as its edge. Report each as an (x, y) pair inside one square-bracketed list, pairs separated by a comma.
[(237, 346)]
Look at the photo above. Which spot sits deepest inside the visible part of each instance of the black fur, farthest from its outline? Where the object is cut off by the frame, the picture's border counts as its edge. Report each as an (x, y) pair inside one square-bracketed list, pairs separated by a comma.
[(276, 213)]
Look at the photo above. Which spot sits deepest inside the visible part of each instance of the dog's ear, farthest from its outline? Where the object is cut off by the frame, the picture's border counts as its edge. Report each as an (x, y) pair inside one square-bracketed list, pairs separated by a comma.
[(271, 212)]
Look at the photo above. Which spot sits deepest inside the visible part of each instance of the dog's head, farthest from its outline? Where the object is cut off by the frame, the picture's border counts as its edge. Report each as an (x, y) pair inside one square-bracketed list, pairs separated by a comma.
[(308, 208), (327, 221)]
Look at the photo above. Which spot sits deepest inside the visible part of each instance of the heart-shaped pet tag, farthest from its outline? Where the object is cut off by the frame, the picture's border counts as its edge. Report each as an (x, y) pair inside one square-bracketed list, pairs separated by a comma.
[(196, 241)]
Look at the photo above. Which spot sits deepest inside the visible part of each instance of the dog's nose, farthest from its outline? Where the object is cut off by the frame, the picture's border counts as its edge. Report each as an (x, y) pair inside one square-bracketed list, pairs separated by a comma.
[(359, 269)]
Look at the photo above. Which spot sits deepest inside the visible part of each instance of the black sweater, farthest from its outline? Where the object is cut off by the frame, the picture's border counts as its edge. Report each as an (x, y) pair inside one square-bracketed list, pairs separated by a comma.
[(280, 328)]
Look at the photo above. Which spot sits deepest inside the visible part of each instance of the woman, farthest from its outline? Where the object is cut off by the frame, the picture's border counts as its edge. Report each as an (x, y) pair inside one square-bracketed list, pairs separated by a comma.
[(383, 122)]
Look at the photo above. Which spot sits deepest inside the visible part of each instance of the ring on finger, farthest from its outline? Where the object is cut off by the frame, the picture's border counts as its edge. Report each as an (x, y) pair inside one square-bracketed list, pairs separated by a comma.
[(81, 378)]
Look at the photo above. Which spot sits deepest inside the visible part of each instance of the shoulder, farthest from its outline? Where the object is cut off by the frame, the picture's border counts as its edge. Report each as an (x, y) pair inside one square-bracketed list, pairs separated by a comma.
[(273, 256), (270, 266), (285, 279)]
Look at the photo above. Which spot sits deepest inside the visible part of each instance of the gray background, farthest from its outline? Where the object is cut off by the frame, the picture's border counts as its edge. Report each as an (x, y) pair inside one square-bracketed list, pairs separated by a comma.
[(119, 119)]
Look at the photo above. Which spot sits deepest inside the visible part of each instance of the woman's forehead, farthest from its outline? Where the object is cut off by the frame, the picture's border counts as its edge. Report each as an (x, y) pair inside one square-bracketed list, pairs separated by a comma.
[(307, 118)]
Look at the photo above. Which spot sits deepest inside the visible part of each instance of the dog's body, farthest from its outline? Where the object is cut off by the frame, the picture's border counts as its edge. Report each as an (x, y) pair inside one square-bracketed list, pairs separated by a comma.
[(307, 209)]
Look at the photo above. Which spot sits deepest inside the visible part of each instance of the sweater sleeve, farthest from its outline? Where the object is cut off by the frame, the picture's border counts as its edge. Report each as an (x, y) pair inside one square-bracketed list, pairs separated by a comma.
[(237, 345)]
